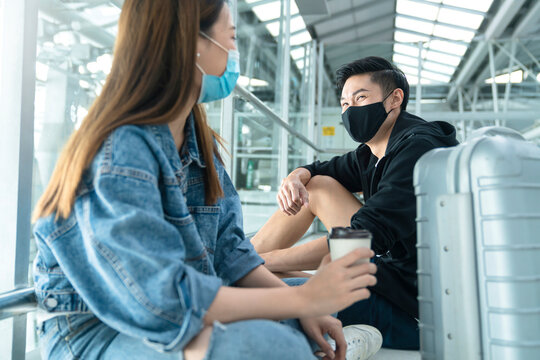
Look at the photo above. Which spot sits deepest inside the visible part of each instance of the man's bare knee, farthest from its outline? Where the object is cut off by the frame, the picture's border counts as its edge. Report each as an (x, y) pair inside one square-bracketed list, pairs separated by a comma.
[(322, 183), (321, 187), (197, 348)]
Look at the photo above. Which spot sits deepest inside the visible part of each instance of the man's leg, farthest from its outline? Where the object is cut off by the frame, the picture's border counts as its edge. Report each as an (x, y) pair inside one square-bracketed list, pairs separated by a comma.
[(399, 330), (328, 200)]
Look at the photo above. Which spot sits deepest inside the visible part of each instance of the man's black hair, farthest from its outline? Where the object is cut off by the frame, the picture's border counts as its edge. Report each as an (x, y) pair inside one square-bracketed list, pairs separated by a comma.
[(383, 73)]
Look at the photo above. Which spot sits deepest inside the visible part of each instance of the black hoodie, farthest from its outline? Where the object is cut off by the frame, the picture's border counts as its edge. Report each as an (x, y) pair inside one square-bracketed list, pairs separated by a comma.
[(389, 209)]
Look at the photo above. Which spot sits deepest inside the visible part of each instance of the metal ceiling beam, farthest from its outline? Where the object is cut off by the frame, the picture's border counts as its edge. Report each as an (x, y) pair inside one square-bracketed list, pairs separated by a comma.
[(530, 19), (260, 28), (432, 37), (450, 7), (526, 70), (434, 51), (337, 15), (427, 49), (345, 50), (243, 7), (505, 14), (369, 23), (312, 7), (435, 22), (65, 15), (356, 52)]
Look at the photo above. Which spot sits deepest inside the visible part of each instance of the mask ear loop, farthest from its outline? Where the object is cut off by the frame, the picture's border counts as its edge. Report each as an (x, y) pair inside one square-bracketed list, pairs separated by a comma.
[(199, 66), (214, 41), (387, 96)]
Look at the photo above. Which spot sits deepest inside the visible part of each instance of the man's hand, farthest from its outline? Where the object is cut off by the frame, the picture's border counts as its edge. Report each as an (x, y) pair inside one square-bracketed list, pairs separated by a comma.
[(292, 194), (317, 327)]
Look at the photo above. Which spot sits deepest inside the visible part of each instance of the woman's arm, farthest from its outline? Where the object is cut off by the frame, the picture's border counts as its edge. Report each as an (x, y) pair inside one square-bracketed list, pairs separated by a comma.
[(336, 285), (260, 277)]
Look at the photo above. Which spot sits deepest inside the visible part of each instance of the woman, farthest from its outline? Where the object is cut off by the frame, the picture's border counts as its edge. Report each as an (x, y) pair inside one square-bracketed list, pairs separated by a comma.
[(141, 248)]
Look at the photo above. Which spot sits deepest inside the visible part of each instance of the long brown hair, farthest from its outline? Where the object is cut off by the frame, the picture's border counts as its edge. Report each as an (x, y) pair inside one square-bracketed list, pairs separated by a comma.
[(151, 78)]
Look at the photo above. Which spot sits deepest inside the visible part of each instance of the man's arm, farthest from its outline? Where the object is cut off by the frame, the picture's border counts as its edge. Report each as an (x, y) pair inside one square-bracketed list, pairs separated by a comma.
[(302, 257), (342, 168)]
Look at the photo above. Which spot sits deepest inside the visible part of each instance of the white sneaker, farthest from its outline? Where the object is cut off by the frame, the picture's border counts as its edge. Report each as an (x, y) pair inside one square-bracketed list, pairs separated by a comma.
[(363, 341)]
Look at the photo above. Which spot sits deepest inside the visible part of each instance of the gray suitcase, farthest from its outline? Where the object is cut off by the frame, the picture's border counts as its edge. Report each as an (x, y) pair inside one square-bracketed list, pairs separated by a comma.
[(478, 221)]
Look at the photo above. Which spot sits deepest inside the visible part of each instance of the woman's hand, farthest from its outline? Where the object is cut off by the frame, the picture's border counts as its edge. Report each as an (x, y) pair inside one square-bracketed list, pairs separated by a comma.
[(317, 327), (292, 194), (339, 284)]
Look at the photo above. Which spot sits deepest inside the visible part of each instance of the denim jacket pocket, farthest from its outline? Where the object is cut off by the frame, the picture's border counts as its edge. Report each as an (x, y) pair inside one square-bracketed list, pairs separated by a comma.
[(207, 220), (198, 253)]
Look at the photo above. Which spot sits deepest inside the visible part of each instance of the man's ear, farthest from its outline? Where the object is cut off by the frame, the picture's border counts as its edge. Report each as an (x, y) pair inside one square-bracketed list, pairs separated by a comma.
[(396, 99)]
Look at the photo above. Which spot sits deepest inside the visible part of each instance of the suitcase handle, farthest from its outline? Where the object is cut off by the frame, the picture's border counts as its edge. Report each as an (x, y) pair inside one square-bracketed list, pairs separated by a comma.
[(494, 131)]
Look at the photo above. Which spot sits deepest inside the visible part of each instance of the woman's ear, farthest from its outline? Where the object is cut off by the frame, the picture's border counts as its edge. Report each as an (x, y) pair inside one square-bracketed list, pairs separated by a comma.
[(200, 47)]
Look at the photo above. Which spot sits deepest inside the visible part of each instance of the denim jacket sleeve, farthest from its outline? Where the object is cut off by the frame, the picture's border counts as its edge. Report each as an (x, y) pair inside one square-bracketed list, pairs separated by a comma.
[(135, 278), (235, 257)]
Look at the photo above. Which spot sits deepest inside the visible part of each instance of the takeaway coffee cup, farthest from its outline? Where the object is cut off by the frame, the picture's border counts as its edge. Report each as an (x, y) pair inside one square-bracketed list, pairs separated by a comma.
[(342, 241)]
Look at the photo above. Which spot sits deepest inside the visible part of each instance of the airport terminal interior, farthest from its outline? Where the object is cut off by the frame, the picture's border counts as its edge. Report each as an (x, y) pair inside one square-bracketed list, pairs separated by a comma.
[(472, 63)]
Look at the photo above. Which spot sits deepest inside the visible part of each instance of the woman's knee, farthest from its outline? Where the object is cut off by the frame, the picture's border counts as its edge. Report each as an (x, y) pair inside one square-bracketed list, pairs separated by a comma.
[(261, 339)]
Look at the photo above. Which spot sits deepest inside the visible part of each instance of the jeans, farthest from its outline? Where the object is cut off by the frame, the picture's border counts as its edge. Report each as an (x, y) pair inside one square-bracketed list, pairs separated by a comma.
[(399, 329), (84, 336)]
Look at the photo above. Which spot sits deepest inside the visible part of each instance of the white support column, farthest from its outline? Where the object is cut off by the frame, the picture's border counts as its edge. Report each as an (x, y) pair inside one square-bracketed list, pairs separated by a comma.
[(17, 92), (310, 155), (227, 115), (228, 134), (285, 91), (57, 124), (418, 102), (508, 85), (320, 86), (475, 103), (493, 84), (463, 125)]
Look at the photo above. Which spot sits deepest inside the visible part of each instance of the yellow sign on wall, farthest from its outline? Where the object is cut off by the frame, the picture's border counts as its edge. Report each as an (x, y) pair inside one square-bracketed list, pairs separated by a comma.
[(329, 130)]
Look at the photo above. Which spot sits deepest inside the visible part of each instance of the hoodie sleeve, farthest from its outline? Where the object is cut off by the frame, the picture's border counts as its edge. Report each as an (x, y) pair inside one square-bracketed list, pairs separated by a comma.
[(390, 213), (342, 168)]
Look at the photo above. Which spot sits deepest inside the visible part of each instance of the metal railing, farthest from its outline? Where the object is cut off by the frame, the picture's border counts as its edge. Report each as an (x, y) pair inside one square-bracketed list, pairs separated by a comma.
[(17, 302), (264, 109)]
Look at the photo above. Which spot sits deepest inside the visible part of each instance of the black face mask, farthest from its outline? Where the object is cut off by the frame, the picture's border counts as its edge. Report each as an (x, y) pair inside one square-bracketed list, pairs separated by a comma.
[(363, 122)]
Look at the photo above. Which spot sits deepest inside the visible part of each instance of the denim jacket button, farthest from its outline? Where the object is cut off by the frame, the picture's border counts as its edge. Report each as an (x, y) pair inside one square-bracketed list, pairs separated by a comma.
[(51, 303)]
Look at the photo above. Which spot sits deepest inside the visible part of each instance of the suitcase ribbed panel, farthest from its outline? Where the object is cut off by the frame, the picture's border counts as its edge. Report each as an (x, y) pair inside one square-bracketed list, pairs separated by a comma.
[(478, 220), (506, 195), (429, 289)]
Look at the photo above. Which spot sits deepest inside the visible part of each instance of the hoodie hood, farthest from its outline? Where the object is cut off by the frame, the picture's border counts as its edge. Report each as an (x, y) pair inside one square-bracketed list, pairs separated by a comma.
[(408, 126)]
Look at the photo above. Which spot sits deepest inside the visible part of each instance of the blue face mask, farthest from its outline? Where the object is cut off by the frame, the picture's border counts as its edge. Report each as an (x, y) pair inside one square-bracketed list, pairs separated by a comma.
[(218, 87)]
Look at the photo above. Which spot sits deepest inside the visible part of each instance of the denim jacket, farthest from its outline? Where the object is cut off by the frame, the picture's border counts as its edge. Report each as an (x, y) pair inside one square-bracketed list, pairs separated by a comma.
[(141, 249)]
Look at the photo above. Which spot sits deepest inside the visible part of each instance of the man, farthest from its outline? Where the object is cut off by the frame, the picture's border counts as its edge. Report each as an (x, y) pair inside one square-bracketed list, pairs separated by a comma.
[(374, 96)]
